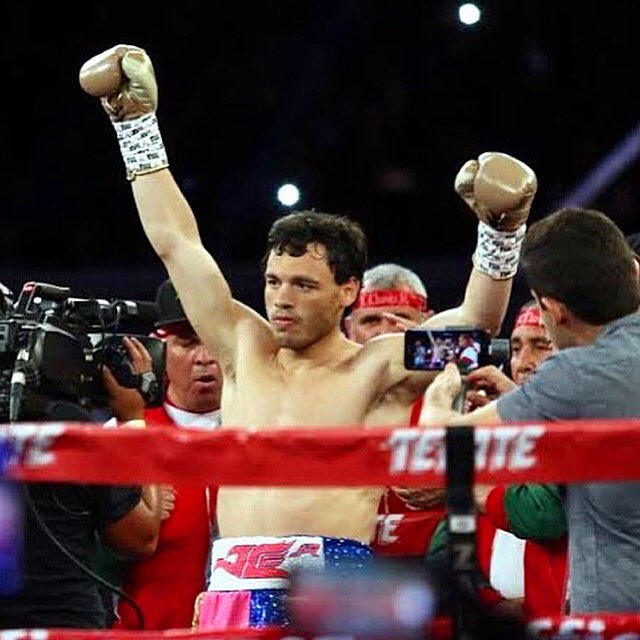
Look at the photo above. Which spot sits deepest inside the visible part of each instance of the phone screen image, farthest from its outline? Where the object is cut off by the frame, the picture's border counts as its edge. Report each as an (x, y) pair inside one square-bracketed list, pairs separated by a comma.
[(431, 350)]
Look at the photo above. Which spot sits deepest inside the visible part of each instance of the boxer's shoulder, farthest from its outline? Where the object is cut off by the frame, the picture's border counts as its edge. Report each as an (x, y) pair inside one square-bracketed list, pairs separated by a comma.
[(380, 351)]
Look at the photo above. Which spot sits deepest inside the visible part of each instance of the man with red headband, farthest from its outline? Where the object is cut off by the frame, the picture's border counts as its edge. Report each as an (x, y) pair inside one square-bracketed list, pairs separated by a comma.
[(166, 584), (392, 300), (530, 347), (530, 344)]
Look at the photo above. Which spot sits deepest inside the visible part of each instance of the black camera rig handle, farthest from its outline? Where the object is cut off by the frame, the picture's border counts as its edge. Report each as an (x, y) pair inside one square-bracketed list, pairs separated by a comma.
[(31, 291)]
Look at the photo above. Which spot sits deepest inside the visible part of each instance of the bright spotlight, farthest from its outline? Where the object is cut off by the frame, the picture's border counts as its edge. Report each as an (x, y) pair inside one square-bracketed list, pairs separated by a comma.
[(469, 13), (288, 195)]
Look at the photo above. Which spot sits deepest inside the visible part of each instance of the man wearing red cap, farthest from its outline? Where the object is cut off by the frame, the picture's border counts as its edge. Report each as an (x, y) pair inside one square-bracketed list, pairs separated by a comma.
[(166, 584)]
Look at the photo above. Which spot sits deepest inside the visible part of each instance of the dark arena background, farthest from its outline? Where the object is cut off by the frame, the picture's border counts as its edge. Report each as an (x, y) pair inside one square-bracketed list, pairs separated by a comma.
[(369, 108), (123, 465)]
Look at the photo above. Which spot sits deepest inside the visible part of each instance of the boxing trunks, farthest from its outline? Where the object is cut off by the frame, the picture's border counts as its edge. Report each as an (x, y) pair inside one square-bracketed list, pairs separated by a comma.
[(249, 577)]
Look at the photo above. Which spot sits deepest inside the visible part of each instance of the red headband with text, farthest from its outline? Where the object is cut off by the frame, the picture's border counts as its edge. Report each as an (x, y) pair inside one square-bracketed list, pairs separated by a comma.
[(390, 298), (529, 317)]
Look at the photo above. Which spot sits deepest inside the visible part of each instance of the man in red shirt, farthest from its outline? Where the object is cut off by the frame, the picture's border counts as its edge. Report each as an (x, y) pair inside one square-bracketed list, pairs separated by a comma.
[(392, 300), (166, 584)]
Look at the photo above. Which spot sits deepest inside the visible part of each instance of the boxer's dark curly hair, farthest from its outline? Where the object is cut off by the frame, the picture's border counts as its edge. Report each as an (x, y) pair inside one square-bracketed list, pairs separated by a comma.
[(344, 240), (580, 258)]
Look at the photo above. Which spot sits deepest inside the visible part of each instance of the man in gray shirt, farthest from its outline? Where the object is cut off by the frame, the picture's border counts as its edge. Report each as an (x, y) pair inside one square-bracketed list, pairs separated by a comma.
[(585, 279)]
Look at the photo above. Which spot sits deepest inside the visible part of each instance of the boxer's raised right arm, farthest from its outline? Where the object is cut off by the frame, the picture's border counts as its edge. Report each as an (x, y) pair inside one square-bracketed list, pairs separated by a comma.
[(171, 228), (124, 79)]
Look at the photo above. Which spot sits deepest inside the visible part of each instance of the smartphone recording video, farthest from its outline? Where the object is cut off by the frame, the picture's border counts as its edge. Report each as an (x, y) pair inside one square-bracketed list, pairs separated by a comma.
[(432, 349)]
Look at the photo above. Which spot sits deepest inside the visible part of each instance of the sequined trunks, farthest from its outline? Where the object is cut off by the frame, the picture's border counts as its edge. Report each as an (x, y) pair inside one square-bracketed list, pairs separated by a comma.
[(249, 577)]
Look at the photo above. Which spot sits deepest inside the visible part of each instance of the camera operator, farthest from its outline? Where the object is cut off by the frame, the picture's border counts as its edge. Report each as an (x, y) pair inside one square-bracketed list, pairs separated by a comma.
[(63, 523), (585, 280), (165, 585)]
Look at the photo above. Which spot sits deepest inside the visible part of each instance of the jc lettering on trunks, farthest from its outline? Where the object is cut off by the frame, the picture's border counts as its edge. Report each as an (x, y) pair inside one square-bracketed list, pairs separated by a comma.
[(250, 576)]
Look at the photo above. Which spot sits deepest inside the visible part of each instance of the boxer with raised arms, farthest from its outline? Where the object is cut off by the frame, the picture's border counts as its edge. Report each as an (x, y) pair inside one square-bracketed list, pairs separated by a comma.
[(295, 368)]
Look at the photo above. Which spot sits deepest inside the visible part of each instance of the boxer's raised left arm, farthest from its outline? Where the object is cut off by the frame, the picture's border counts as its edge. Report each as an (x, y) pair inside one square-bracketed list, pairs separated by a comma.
[(499, 189), (484, 306)]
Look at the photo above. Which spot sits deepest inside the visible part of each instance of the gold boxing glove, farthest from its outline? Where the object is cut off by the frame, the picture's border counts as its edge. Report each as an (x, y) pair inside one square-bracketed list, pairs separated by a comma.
[(498, 188), (124, 80)]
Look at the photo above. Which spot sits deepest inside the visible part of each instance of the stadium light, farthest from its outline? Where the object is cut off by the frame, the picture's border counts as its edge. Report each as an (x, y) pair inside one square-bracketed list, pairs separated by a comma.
[(469, 13), (288, 195)]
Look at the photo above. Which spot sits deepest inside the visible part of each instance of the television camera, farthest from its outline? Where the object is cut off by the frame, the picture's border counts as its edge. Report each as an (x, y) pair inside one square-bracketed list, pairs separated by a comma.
[(54, 346)]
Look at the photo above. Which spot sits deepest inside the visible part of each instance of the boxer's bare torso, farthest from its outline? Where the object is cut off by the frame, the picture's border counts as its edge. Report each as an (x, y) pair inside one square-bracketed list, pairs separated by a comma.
[(269, 395), (294, 369), (333, 382)]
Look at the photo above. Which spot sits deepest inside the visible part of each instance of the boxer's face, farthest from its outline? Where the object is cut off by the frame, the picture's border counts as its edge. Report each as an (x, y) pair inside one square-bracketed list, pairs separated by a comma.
[(195, 378), (530, 347), (303, 301), (364, 324)]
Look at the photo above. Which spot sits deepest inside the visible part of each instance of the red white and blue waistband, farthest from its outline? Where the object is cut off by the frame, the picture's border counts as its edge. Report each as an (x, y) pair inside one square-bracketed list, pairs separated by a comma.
[(265, 562)]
